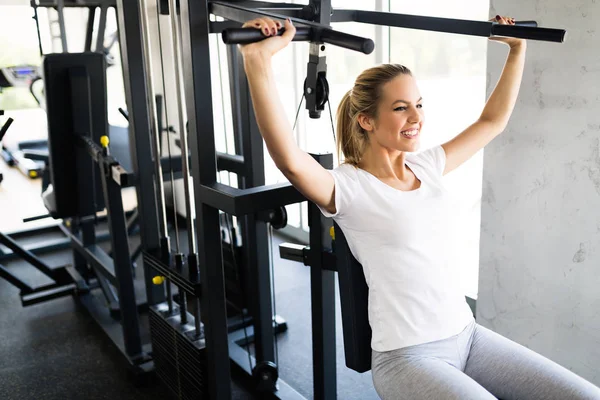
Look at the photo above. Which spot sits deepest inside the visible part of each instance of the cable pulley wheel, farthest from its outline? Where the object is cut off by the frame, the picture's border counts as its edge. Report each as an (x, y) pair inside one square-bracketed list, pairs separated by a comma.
[(322, 95), (265, 374), (278, 218)]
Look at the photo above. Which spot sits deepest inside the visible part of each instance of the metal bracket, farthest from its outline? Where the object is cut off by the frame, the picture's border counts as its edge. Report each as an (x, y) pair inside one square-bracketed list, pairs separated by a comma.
[(316, 89)]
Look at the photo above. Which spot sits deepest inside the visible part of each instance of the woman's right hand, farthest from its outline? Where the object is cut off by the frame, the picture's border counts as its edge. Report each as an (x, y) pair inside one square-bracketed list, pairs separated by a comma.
[(267, 47)]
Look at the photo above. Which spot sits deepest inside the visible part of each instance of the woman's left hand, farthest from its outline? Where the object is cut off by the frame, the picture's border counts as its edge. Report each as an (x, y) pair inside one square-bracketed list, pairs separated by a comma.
[(512, 42)]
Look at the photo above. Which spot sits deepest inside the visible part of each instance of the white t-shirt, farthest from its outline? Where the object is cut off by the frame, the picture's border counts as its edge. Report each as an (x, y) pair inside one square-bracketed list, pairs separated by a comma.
[(403, 241)]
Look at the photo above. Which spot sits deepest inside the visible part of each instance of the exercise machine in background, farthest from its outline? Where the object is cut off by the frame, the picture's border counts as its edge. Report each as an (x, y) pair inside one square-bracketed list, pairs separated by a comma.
[(28, 156)]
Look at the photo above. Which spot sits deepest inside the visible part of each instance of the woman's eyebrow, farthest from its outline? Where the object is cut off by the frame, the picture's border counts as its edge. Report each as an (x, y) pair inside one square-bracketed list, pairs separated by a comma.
[(404, 101)]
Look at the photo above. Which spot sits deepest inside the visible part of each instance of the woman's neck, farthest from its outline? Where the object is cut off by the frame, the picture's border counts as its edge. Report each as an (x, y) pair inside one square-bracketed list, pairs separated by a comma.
[(386, 164)]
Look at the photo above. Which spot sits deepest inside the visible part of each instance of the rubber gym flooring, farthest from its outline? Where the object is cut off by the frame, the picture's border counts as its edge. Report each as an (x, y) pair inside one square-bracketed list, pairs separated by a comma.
[(56, 351)]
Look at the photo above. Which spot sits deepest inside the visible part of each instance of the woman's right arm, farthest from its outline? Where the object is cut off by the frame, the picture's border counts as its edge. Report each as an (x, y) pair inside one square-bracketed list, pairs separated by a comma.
[(306, 174)]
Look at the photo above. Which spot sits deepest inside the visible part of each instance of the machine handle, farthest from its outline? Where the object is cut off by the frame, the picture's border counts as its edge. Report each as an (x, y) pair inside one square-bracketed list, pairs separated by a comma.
[(531, 24), (526, 30), (303, 34)]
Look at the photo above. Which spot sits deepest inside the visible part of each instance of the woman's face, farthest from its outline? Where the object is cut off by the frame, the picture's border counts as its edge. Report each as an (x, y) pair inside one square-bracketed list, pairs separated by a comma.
[(400, 115)]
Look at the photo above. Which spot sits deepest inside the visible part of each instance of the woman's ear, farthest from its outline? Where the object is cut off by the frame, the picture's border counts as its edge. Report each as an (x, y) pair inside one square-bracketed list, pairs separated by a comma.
[(366, 122)]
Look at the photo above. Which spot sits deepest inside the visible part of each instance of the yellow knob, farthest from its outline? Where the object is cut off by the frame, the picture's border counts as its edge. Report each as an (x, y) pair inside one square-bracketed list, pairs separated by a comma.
[(33, 174), (157, 280), (104, 141), (332, 233)]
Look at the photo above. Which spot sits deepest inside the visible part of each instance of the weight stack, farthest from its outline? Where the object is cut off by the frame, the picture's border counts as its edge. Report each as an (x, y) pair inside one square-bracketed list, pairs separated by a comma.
[(179, 357)]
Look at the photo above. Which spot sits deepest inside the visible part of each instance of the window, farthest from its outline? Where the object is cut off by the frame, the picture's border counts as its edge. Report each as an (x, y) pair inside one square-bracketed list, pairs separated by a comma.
[(451, 73)]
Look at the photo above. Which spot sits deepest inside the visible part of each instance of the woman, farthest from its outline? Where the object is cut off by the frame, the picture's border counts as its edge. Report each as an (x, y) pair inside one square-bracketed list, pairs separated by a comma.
[(395, 213)]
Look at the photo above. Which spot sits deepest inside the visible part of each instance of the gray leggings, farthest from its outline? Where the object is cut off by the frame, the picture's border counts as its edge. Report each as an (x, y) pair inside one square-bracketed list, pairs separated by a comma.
[(475, 364)]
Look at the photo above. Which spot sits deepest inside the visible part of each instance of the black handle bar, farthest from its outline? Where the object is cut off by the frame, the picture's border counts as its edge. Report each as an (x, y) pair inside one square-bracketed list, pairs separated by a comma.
[(532, 24), (529, 30), (303, 34)]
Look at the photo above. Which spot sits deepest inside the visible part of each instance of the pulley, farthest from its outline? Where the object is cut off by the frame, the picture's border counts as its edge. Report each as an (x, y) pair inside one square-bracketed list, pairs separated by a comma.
[(265, 374), (322, 92)]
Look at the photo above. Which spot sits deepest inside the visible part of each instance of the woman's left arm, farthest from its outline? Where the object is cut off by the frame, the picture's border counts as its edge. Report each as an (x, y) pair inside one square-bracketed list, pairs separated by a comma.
[(497, 110)]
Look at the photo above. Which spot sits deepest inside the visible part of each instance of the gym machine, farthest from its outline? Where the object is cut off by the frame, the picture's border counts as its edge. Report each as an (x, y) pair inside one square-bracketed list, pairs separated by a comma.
[(253, 198), (193, 347), (31, 157), (201, 346)]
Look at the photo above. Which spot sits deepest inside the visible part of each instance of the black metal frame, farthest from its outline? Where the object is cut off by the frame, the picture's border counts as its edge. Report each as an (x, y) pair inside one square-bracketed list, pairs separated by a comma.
[(62, 283), (252, 198), (91, 5), (136, 93)]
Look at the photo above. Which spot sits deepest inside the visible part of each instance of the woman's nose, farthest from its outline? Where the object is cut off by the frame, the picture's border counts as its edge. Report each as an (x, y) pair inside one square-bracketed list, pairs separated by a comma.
[(415, 116)]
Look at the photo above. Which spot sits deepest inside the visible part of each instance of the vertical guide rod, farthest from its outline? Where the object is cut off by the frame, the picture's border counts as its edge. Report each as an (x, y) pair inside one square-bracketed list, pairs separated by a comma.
[(134, 80), (185, 169), (89, 30), (155, 129), (37, 25), (101, 30), (60, 8)]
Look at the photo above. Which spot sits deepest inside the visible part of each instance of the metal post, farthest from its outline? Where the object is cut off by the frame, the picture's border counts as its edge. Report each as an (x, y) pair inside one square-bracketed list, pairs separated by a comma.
[(60, 8), (37, 25), (198, 96), (255, 232), (154, 123), (322, 281), (89, 29), (177, 56), (101, 29), (134, 77), (322, 291), (117, 226)]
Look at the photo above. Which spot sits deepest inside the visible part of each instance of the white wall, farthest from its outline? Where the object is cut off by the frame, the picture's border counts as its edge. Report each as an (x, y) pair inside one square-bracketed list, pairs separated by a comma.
[(540, 228)]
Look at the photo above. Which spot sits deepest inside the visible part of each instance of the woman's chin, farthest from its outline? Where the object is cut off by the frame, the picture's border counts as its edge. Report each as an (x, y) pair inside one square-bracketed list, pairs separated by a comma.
[(411, 147)]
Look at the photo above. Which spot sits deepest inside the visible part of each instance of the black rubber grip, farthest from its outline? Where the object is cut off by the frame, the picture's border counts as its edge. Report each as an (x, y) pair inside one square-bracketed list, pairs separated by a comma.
[(348, 41), (532, 24), (252, 35), (528, 32), (345, 40)]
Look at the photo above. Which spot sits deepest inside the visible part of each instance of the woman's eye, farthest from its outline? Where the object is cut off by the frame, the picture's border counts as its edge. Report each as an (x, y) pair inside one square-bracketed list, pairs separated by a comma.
[(404, 108)]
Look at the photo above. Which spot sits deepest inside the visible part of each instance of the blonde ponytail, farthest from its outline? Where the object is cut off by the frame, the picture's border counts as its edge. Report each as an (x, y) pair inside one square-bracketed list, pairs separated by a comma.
[(351, 140)]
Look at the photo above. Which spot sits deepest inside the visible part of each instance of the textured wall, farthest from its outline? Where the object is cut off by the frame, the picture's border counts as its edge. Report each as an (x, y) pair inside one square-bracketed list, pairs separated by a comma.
[(540, 230)]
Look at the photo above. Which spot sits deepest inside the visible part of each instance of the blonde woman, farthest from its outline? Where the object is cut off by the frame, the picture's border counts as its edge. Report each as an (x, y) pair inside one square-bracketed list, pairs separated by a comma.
[(392, 207)]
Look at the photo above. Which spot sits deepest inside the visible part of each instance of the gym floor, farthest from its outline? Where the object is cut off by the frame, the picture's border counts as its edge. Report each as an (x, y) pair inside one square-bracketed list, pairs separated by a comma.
[(56, 351)]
